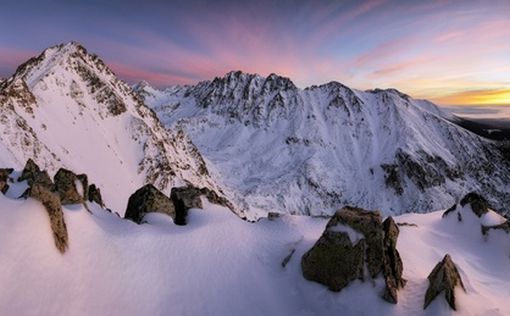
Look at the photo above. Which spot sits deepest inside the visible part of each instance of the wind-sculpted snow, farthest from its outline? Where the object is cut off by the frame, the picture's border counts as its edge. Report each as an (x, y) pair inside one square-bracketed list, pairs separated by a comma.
[(66, 108), (221, 265), (313, 150)]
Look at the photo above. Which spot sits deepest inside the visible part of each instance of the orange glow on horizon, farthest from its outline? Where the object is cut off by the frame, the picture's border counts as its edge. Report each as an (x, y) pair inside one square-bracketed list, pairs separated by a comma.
[(477, 97)]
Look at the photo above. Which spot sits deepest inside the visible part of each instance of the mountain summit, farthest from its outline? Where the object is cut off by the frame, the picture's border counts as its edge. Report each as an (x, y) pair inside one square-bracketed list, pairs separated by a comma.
[(65, 107)]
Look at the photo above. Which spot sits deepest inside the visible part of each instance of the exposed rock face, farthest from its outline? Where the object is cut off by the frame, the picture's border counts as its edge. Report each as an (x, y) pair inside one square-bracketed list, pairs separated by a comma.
[(185, 198), (335, 260), (94, 195), (444, 277), (148, 199), (393, 267), (478, 203), (30, 172), (51, 202), (33, 175), (65, 186), (4, 179)]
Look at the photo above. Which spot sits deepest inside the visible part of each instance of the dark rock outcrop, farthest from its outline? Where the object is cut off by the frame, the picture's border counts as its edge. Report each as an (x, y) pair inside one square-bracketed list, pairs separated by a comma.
[(94, 195), (335, 260), (65, 186), (51, 203), (478, 203), (185, 198), (4, 179), (30, 172), (148, 199), (444, 277), (393, 267)]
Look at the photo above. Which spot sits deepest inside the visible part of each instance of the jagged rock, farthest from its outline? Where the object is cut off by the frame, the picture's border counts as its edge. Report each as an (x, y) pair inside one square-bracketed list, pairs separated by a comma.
[(4, 179), (51, 203), (185, 198), (40, 178), (369, 223), (94, 195), (30, 172), (393, 266), (335, 260), (66, 187), (148, 199), (478, 203), (444, 277)]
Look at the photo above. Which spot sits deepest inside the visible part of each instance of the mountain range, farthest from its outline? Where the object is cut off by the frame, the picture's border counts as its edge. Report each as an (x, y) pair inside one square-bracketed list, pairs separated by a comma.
[(312, 150)]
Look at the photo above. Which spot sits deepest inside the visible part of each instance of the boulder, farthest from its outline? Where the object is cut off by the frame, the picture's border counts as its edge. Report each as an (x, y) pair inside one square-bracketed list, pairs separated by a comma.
[(393, 266), (4, 179), (444, 277), (94, 195), (148, 199), (478, 203), (66, 187), (334, 260), (368, 223), (51, 203), (185, 198), (353, 239)]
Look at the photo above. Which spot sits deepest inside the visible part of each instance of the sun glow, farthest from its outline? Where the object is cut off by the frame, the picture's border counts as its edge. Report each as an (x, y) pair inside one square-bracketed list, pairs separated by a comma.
[(478, 97)]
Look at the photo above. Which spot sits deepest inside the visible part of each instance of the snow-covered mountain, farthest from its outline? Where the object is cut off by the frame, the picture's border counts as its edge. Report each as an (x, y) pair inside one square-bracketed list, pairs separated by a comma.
[(66, 108), (313, 150)]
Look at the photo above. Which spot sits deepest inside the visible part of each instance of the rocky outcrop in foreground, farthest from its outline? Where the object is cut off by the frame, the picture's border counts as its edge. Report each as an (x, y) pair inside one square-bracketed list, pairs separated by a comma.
[(67, 188), (53, 207), (354, 239), (148, 199), (443, 278), (479, 206)]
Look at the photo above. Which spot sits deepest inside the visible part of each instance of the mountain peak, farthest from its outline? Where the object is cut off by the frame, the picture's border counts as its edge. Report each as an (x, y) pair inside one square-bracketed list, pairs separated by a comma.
[(61, 58)]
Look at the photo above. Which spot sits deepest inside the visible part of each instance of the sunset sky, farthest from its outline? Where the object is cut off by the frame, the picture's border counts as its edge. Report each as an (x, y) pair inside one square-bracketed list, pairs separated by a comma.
[(453, 52)]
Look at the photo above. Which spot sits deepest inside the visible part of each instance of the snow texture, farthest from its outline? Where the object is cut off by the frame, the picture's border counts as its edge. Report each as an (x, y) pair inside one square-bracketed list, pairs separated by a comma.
[(114, 266)]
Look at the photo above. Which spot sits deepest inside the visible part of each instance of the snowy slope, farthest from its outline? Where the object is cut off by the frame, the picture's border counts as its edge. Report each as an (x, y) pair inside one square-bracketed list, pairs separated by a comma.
[(116, 267), (312, 151), (66, 108)]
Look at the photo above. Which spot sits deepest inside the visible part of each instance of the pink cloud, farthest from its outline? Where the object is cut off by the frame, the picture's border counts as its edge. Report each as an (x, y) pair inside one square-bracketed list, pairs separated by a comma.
[(135, 74), (13, 57)]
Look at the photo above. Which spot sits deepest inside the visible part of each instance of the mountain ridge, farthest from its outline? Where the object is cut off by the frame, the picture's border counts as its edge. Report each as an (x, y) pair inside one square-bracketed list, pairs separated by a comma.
[(402, 151), (66, 107)]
